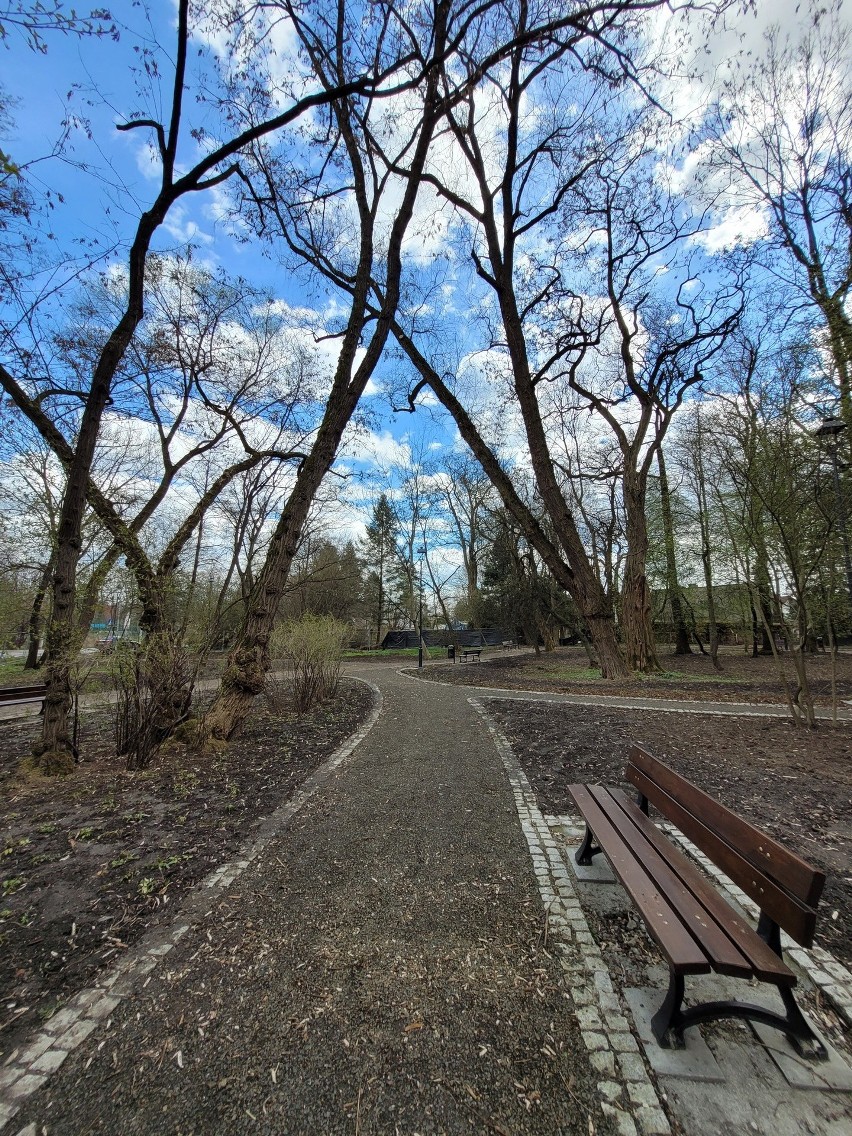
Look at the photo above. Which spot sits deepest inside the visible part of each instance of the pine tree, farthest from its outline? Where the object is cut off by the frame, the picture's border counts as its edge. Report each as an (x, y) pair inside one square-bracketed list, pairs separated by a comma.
[(380, 559)]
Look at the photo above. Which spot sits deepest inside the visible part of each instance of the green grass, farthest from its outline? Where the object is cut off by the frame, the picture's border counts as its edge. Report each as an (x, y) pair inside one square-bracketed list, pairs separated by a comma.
[(572, 674), (13, 669)]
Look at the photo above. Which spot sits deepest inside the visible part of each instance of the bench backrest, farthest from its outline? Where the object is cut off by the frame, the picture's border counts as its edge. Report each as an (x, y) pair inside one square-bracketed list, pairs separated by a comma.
[(783, 885), (22, 691)]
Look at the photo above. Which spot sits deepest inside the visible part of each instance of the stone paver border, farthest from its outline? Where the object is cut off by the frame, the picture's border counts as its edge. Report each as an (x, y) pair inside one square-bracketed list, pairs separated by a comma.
[(830, 976), (616, 702), (628, 1094), (27, 1069)]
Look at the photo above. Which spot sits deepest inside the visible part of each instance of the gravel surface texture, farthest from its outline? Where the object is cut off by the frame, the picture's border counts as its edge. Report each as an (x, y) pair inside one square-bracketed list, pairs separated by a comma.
[(381, 968)]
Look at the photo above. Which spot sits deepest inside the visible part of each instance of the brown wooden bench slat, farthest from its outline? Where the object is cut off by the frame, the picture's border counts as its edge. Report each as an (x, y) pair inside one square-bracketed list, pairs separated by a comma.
[(724, 955), (673, 898), (766, 854), (787, 910), (759, 958), (686, 956)]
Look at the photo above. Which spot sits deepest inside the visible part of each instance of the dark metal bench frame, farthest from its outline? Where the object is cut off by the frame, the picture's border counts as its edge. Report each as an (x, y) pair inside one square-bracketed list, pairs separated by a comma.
[(696, 929), (23, 695)]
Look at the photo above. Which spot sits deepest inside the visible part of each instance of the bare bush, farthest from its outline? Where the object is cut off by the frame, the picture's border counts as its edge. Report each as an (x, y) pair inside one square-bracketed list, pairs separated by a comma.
[(312, 646), (154, 696)]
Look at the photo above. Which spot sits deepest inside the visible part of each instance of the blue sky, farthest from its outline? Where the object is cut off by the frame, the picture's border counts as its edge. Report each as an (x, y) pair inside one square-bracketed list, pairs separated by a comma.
[(107, 178), (93, 81)]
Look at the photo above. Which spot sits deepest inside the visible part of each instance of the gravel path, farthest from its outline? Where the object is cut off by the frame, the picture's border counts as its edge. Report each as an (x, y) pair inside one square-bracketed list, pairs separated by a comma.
[(381, 968)]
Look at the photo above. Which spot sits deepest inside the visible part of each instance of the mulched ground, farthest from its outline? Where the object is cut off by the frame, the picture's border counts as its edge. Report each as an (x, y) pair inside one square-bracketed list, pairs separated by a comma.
[(88, 864), (742, 679), (795, 784)]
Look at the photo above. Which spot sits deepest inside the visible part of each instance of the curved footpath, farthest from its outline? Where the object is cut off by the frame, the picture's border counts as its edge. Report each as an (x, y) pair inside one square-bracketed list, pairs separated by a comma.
[(380, 967), (403, 951)]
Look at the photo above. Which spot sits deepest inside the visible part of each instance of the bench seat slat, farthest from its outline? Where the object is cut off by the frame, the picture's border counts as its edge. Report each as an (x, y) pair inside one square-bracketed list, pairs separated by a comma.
[(724, 955), (683, 952), (796, 917), (17, 695), (760, 958)]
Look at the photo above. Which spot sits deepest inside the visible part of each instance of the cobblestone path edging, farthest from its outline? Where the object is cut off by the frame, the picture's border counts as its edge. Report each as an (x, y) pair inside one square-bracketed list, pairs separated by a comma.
[(27, 1069), (627, 1093), (831, 977), (620, 702)]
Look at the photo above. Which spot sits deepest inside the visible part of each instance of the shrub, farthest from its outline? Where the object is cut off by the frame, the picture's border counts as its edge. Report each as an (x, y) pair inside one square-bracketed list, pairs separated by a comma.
[(312, 645), (154, 694)]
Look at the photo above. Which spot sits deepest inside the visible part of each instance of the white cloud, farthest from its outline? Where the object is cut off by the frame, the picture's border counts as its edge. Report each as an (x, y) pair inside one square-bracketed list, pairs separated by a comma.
[(740, 225)]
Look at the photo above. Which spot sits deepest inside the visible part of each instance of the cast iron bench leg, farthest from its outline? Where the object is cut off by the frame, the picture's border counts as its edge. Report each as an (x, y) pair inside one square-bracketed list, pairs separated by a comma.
[(671, 1019), (587, 849)]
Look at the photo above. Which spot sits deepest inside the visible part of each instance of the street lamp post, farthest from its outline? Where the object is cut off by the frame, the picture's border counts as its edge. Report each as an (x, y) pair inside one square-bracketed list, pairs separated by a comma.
[(421, 553), (830, 428)]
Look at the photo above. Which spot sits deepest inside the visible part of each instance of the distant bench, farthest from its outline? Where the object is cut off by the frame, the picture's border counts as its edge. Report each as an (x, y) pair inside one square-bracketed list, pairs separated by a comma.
[(470, 653), (695, 928), (22, 695)]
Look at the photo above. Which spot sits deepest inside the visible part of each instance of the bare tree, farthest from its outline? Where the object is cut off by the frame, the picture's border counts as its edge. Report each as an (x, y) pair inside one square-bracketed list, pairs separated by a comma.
[(667, 312), (316, 231), (779, 141), (469, 496), (340, 222), (220, 161), (512, 193)]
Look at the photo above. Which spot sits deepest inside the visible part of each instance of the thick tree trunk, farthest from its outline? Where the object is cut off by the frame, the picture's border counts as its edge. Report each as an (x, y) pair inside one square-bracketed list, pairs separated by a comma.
[(573, 572), (54, 753), (248, 662), (636, 622), (639, 646), (679, 624), (589, 648), (245, 671)]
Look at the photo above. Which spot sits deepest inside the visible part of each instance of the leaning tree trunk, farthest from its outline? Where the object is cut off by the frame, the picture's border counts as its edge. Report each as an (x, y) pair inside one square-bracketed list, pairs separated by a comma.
[(54, 753), (681, 630), (573, 571), (245, 671)]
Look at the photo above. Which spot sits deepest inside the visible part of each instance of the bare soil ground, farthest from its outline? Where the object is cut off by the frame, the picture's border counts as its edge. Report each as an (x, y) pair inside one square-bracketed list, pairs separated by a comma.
[(88, 864), (742, 678), (792, 783)]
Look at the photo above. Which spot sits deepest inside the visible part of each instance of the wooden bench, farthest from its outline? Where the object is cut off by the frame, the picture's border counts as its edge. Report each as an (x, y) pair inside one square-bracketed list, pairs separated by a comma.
[(696, 930), (22, 695), (471, 652)]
